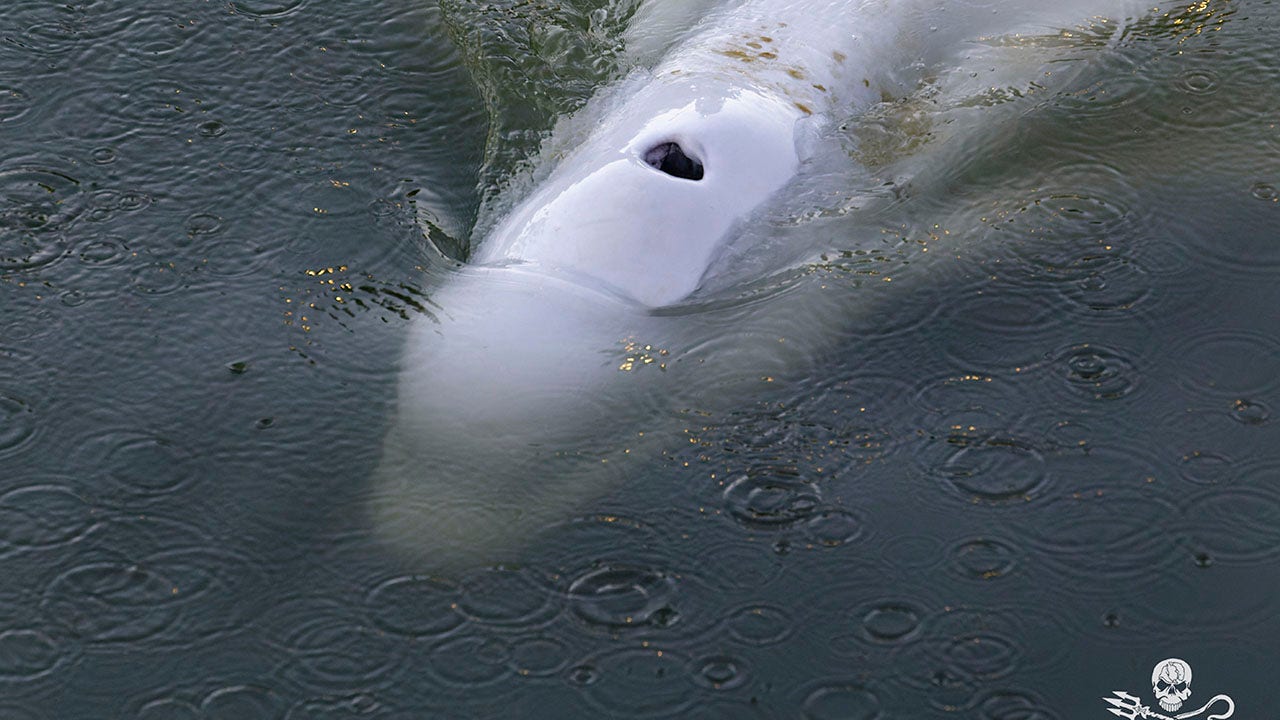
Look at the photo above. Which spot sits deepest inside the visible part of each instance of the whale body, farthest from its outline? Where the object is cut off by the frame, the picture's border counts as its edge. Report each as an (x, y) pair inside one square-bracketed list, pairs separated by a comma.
[(522, 396)]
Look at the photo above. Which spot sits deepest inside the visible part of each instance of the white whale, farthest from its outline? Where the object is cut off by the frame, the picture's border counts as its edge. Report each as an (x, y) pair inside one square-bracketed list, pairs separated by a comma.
[(538, 376)]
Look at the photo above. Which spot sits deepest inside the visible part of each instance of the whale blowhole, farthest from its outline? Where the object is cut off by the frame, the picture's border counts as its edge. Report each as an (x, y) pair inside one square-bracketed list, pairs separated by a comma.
[(671, 159)]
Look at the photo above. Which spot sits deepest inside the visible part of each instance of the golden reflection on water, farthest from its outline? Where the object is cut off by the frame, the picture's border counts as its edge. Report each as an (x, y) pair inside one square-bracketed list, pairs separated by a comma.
[(638, 355)]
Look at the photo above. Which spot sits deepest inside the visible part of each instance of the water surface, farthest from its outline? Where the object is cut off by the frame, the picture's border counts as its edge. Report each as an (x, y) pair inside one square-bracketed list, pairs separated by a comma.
[(1037, 455)]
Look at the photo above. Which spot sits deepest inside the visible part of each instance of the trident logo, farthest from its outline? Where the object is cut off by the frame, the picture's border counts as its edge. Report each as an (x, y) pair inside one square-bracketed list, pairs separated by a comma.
[(1171, 684)]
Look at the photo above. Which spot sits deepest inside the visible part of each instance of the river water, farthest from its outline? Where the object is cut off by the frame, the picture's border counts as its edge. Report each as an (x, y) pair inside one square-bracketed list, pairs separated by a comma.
[(1041, 457)]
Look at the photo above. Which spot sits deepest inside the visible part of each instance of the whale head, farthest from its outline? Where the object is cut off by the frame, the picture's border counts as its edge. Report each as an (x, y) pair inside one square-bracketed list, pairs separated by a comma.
[(643, 205)]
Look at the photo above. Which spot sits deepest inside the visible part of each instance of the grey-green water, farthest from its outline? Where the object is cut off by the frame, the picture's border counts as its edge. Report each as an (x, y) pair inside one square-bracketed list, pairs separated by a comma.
[(1045, 459)]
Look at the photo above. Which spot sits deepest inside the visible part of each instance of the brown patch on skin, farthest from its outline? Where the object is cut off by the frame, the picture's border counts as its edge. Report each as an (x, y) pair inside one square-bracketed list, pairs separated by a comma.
[(797, 74), (737, 55), (766, 38), (820, 87), (839, 56), (804, 108), (754, 53)]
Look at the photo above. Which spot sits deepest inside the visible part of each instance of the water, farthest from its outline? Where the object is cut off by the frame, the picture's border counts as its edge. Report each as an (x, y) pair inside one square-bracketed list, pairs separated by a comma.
[(1040, 460)]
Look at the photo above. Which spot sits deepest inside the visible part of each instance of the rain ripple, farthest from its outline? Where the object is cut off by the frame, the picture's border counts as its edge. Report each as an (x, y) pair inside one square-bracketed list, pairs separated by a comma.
[(1248, 82), (43, 516), (771, 498), (27, 654), (968, 399), (1104, 534), (1087, 373), (415, 606), (156, 278), (1121, 87), (213, 587), (1237, 523), (234, 702), (759, 625), (37, 205), (103, 251), (891, 622), (241, 702), (592, 538), (324, 647), (880, 623), (1097, 371), (911, 552), (1014, 705), (141, 463), (538, 656), (471, 661), (1230, 364), (1197, 81), (619, 597), (840, 700), (159, 36), (853, 407), (507, 598), (156, 106), (974, 452), (961, 650), (1074, 238), (983, 558), (641, 683), (14, 103), (980, 327), (343, 708), (168, 708), (52, 30), (324, 74), (17, 422), (737, 566), (267, 9), (112, 602), (719, 672), (833, 527), (105, 204), (1112, 289), (1250, 412), (990, 467), (1137, 612)]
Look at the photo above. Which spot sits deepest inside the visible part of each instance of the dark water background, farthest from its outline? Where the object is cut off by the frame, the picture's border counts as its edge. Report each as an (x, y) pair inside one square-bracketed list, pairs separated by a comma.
[(1012, 491)]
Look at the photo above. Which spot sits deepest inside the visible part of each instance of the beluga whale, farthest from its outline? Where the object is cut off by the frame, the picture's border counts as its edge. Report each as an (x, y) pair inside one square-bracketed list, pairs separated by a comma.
[(594, 306)]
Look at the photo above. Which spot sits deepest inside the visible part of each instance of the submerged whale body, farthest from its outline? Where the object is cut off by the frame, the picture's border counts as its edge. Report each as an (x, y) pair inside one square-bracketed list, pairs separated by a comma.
[(512, 400)]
